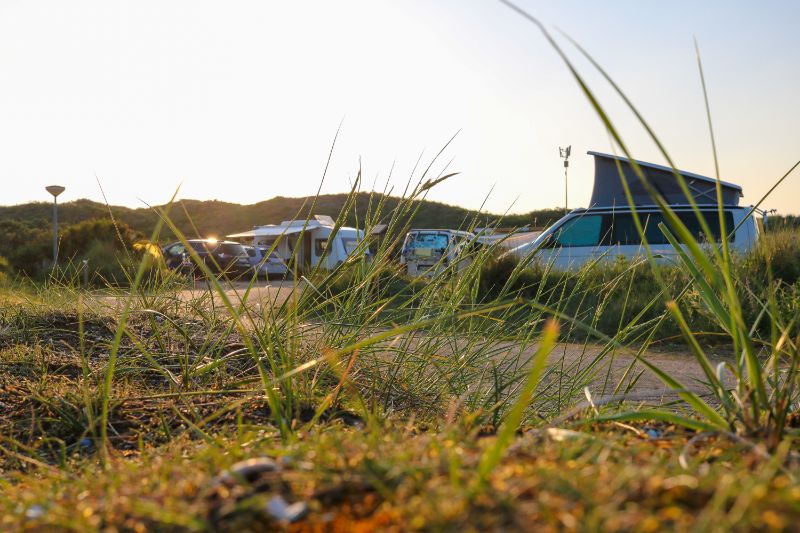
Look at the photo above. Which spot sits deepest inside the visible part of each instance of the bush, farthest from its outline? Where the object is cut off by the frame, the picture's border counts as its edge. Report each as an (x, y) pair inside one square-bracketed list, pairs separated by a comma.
[(779, 249), (608, 295), (4, 269), (107, 247)]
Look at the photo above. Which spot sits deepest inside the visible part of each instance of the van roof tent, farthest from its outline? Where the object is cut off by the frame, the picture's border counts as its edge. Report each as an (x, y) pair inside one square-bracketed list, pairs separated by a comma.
[(608, 189)]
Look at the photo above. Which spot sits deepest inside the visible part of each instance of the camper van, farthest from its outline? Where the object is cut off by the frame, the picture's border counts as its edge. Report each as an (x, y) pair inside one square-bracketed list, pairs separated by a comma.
[(428, 251), (607, 230), (309, 243)]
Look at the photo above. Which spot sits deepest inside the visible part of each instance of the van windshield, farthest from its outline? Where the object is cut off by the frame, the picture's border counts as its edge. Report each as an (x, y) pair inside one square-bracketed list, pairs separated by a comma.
[(430, 241)]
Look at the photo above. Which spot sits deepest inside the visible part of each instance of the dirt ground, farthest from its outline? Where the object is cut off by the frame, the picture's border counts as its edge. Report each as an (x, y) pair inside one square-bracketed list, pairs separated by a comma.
[(679, 364), (271, 292)]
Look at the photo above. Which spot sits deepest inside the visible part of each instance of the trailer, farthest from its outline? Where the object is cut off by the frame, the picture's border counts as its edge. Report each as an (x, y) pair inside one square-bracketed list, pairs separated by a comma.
[(307, 242)]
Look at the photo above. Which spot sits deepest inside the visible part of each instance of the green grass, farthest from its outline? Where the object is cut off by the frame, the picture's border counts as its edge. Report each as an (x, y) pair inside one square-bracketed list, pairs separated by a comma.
[(596, 478)]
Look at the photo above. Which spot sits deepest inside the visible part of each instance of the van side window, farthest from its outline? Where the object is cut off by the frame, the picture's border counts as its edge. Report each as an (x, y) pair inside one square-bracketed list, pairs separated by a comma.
[(692, 223), (580, 231), (623, 230), (319, 246)]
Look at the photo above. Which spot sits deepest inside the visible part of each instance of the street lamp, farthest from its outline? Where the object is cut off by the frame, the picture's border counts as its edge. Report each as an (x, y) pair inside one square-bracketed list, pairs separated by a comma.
[(55, 190), (565, 153)]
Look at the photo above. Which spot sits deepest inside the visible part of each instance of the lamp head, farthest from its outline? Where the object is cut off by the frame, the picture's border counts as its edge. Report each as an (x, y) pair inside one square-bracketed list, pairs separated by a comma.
[(55, 190)]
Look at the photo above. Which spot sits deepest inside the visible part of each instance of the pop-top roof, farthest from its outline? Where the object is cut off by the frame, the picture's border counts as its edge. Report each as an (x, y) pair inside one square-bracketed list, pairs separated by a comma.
[(608, 189)]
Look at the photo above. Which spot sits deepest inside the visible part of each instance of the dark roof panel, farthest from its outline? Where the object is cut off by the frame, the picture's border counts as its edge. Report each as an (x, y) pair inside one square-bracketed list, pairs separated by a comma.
[(608, 189)]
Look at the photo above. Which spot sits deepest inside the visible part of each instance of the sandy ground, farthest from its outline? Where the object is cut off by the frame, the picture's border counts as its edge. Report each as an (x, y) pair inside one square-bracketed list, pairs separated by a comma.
[(263, 292), (679, 364)]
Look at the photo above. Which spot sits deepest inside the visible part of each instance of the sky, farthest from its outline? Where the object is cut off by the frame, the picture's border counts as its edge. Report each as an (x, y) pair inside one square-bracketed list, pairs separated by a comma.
[(240, 101)]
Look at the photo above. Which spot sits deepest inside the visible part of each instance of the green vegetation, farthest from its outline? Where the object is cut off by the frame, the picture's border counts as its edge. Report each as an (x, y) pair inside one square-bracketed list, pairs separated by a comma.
[(203, 218), (108, 246)]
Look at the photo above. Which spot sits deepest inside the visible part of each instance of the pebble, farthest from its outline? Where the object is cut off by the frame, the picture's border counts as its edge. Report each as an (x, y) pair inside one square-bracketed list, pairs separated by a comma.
[(34, 511), (279, 509), (247, 470)]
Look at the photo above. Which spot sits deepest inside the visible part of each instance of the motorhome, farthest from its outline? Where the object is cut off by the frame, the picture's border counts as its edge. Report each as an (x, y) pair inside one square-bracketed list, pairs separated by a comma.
[(428, 251), (308, 242), (607, 229)]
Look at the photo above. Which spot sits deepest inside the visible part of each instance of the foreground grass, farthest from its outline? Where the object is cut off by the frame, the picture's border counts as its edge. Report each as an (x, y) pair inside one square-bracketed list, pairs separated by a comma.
[(402, 477), (347, 467)]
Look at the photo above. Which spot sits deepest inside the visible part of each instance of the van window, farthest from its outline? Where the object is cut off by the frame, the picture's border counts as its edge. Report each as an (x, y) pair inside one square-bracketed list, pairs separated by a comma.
[(320, 245), (623, 231), (580, 231), (692, 223), (622, 228)]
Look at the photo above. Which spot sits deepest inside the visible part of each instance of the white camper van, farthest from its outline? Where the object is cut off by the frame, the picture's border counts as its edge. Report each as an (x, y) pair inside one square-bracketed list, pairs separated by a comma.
[(427, 251), (587, 235), (308, 242), (607, 230)]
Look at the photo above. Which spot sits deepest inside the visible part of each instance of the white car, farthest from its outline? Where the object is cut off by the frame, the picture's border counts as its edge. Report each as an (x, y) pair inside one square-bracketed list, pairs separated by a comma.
[(586, 235), (268, 266)]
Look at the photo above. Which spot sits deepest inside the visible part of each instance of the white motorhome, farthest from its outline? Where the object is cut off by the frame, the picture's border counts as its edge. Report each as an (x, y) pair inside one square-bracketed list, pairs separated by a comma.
[(308, 242), (427, 251), (607, 230)]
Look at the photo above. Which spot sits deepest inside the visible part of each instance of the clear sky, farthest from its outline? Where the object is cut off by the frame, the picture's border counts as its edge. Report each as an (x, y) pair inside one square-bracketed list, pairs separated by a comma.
[(239, 101)]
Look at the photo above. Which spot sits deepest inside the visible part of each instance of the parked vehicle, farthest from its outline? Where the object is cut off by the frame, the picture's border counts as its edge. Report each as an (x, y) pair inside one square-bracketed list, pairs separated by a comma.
[(221, 257), (310, 243), (607, 230), (428, 251), (265, 263), (586, 235)]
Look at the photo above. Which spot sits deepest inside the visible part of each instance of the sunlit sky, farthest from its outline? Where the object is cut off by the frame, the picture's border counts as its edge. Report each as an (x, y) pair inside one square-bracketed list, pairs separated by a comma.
[(240, 101)]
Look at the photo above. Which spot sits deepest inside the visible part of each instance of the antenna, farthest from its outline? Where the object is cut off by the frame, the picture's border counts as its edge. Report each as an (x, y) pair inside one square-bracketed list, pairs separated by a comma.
[(564, 154)]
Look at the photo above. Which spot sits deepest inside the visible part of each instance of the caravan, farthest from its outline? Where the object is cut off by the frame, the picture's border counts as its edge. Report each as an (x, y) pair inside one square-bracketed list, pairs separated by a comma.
[(607, 229), (310, 243)]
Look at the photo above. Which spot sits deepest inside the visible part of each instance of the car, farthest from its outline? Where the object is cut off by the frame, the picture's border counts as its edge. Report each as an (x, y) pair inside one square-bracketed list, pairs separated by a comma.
[(221, 257), (604, 233), (265, 263)]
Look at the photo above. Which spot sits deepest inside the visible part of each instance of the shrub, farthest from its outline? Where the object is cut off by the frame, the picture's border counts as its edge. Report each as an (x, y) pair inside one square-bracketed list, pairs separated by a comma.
[(4, 269)]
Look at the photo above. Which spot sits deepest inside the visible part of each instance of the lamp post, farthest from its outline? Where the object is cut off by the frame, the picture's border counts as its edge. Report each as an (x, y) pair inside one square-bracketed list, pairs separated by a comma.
[(564, 153), (55, 190)]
